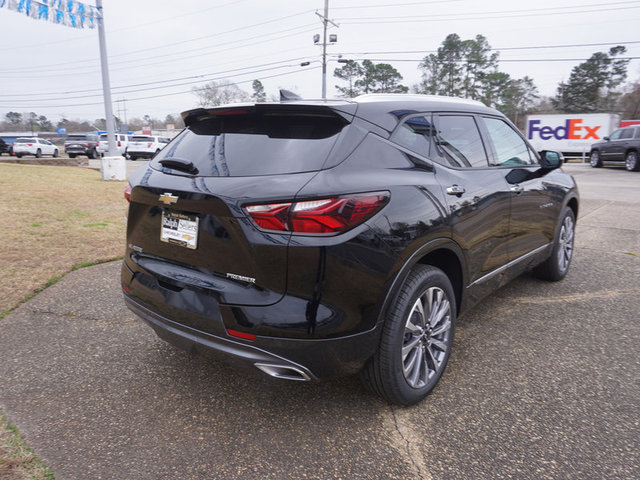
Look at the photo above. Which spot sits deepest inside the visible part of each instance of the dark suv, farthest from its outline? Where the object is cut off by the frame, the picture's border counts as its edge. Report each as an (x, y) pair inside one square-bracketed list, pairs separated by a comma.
[(82, 144), (319, 238), (619, 148)]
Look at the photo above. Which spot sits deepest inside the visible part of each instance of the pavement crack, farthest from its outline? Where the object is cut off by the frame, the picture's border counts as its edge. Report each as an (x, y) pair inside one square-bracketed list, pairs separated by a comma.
[(407, 444)]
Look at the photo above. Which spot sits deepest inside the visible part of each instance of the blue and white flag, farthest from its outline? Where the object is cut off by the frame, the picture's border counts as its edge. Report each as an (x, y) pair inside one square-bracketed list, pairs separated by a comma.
[(63, 12)]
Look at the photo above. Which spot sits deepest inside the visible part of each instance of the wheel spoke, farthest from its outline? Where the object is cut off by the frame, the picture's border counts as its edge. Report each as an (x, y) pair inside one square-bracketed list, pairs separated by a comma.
[(417, 367), (408, 367), (444, 327), (440, 345), (435, 364), (409, 346), (419, 308), (440, 314)]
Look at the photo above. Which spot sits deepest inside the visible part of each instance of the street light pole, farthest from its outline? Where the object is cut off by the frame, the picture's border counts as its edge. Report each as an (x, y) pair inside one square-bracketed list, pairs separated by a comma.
[(325, 21), (106, 85)]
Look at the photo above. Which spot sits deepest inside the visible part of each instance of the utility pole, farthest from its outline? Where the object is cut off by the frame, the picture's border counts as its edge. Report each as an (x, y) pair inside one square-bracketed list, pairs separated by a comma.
[(332, 39), (325, 20), (106, 85)]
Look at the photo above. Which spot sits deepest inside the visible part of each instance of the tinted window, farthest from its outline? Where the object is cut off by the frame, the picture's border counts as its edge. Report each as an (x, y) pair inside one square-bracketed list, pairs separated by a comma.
[(615, 135), (139, 138), (459, 143), (77, 137), (415, 134), (256, 143), (627, 133), (25, 140), (510, 148)]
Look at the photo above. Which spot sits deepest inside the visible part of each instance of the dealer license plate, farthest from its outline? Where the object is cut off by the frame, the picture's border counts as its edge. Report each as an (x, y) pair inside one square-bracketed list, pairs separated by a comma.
[(180, 229)]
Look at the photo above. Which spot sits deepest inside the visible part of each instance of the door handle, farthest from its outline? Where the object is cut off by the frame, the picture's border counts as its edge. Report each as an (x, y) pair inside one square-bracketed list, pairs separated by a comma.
[(517, 188), (455, 190)]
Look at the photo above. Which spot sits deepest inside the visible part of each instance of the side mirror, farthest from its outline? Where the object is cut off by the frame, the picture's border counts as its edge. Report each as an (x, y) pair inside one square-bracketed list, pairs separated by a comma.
[(606, 139), (550, 159)]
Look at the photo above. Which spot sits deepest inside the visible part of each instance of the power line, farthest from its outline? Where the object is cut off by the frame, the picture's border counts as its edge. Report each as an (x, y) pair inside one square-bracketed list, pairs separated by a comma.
[(167, 94), (263, 39), (479, 15), (531, 47)]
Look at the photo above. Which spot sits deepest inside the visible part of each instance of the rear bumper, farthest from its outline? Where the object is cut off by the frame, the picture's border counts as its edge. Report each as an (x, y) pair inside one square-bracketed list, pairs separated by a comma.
[(140, 154), (312, 358)]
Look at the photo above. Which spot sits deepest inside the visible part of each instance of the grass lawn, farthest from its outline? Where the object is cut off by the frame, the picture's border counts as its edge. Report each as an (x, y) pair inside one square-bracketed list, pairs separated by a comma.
[(52, 219)]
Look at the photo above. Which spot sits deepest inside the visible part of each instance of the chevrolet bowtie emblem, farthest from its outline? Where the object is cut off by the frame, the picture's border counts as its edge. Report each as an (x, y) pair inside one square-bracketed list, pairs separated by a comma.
[(168, 199)]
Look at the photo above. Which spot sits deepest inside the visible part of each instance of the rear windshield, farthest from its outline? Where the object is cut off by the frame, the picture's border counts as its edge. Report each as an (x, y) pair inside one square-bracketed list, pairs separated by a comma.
[(256, 143), (25, 140), (137, 138), (77, 137)]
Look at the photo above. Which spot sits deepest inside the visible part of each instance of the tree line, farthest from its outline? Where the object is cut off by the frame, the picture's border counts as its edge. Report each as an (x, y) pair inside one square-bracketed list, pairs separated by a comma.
[(469, 68)]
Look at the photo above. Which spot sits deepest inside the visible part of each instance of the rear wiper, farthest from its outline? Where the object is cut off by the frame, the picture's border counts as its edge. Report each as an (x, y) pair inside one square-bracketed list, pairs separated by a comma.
[(180, 164)]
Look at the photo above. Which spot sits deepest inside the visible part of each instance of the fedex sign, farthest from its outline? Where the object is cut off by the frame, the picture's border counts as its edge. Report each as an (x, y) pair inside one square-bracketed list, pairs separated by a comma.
[(573, 129), (569, 133)]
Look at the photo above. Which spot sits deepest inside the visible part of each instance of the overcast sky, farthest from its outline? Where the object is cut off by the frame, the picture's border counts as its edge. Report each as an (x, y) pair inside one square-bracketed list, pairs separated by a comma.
[(159, 50)]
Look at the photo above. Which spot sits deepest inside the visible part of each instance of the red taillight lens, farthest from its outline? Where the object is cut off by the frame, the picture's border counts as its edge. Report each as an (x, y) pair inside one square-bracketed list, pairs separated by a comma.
[(87, 144), (119, 144), (127, 193), (149, 144), (326, 215), (30, 144)]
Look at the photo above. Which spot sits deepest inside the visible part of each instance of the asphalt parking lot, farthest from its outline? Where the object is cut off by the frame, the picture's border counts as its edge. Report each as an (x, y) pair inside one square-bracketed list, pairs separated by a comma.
[(543, 383)]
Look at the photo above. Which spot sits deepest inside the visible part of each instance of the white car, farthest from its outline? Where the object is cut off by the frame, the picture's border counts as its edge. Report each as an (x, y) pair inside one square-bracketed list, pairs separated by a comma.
[(34, 146), (145, 146), (122, 142)]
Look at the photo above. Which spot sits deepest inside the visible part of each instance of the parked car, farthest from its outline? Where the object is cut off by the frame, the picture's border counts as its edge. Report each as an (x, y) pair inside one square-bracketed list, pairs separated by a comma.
[(122, 141), (145, 146), (311, 239), (4, 147), (619, 148), (81, 144), (34, 146)]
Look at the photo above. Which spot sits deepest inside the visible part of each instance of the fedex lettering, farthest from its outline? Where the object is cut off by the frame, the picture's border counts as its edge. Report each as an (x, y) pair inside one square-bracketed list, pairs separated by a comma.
[(571, 130)]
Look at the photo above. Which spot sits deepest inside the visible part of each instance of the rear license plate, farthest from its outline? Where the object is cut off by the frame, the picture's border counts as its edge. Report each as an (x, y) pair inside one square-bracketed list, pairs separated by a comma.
[(180, 229)]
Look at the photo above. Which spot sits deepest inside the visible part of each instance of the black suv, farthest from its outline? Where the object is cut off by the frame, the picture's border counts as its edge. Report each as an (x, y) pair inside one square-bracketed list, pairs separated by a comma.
[(82, 144), (619, 148), (4, 147), (317, 238)]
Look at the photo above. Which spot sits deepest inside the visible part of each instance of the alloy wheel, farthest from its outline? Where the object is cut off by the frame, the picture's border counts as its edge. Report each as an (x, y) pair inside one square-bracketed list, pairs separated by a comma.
[(427, 337), (565, 243)]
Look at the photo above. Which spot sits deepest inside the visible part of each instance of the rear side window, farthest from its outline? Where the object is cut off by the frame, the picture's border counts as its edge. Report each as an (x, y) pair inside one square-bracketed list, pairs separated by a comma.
[(248, 143), (458, 142), (627, 133), (415, 134)]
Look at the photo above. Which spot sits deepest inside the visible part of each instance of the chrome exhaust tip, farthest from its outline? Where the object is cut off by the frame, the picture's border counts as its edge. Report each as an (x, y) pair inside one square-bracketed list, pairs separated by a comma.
[(284, 372)]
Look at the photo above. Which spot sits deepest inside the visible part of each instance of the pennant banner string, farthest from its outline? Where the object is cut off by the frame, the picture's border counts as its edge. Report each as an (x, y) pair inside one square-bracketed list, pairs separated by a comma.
[(63, 12)]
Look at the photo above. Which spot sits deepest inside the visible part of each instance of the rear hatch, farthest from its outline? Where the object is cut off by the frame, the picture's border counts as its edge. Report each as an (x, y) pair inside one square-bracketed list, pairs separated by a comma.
[(141, 143), (187, 221)]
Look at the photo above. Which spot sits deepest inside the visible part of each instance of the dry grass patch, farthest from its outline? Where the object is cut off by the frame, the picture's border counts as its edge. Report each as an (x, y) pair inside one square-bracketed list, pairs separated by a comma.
[(17, 461), (52, 219)]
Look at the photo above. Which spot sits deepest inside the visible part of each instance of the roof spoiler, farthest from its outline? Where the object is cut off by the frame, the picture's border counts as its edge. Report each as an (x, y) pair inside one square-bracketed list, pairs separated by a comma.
[(287, 96)]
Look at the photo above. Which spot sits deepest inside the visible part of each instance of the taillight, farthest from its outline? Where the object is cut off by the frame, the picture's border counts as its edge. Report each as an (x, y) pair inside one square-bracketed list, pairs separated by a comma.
[(325, 215), (86, 145), (149, 144), (119, 143), (30, 144), (127, 193)]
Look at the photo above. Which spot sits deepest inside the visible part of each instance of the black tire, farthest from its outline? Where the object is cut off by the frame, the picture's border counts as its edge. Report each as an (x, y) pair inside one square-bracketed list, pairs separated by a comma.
[(632, 162), (555, 267), (594, 159), (38, 153), (19, 155), (133, 157), (55, 153), (405, 379), (72, 155), (92, 154)]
